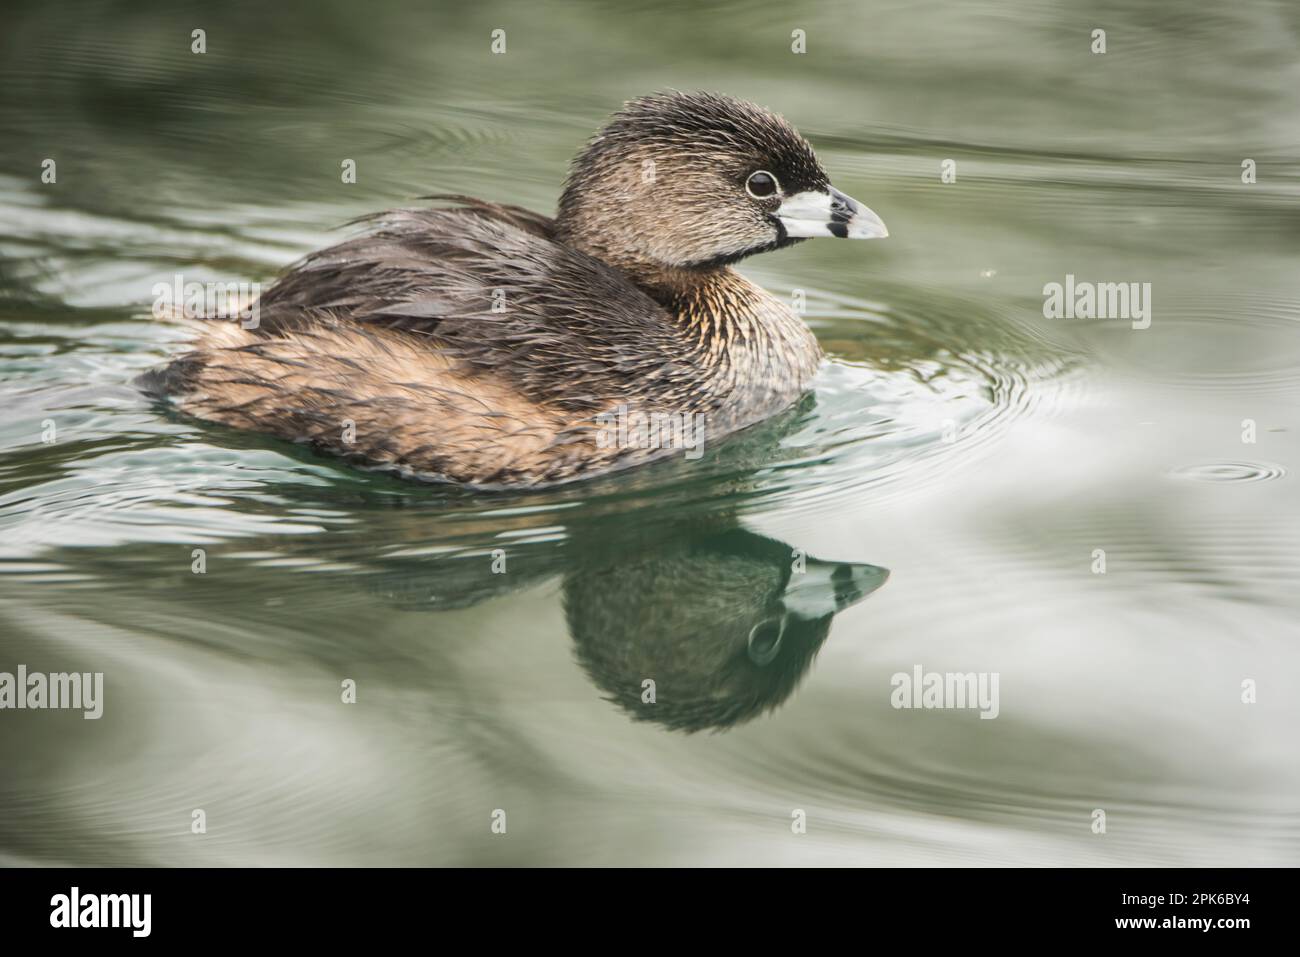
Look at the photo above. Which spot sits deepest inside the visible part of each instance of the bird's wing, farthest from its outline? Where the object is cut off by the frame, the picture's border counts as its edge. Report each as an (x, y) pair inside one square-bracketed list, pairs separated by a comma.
[(488, 288), (458, 343)]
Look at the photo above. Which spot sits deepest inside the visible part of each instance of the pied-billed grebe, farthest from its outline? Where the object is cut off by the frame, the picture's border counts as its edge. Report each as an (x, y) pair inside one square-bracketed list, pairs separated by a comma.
[(491, 346)]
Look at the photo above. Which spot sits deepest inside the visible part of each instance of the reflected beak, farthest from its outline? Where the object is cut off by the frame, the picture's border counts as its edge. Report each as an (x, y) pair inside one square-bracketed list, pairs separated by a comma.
[(831, 213), (824, 588)]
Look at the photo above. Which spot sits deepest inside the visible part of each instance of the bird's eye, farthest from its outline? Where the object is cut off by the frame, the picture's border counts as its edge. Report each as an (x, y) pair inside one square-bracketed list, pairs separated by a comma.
[(765, 640), (761, 185)]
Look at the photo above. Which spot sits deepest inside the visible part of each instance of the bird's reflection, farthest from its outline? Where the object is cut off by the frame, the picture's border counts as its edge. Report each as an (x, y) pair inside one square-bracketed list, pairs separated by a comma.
[(707, 631), (693, 627)]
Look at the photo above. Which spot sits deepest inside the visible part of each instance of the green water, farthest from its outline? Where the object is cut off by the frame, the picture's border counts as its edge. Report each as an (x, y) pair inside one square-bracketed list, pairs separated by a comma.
[(977, 451)]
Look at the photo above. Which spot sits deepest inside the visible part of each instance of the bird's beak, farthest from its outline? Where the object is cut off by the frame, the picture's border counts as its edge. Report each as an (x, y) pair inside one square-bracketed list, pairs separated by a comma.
[(829, 213), (823, 588)]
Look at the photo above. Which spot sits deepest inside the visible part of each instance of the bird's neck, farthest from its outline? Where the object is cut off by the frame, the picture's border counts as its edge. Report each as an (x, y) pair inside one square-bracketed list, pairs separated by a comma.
[(746, 347), (738, 332)]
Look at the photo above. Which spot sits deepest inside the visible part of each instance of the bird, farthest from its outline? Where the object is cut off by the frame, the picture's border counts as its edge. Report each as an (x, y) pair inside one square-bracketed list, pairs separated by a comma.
[(492, 347)]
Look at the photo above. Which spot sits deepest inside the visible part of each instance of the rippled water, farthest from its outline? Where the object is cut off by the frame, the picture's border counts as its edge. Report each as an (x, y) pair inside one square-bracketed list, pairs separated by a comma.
[(946, 490)]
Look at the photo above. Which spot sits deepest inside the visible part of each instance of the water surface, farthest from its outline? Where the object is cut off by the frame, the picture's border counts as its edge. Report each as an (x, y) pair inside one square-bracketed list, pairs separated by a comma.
[(943, 494)]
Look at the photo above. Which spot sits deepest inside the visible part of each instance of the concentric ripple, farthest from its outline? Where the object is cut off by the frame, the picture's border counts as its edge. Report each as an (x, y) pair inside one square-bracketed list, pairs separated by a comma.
[(1236, 472)]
